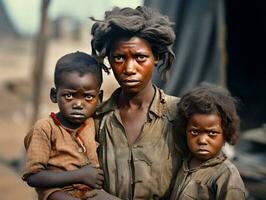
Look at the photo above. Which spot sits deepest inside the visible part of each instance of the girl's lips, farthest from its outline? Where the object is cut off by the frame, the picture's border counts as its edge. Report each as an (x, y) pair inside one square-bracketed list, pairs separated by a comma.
[(203, 151)]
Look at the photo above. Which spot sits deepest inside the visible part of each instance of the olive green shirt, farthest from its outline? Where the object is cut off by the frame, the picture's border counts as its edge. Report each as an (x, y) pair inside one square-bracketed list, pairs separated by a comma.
[(216, 179), (144, 169)]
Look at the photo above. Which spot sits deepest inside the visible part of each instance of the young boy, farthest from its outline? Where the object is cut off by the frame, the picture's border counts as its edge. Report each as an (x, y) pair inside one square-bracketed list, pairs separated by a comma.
[(207, 118), (61, 149)]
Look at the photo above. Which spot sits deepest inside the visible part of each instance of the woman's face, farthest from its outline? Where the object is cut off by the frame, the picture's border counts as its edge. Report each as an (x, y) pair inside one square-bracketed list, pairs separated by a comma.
[(132, 62)]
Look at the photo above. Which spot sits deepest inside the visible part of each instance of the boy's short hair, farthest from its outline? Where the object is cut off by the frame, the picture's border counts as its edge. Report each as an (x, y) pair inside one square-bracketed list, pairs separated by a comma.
[(209, 99), (142, 22), (77, 62)]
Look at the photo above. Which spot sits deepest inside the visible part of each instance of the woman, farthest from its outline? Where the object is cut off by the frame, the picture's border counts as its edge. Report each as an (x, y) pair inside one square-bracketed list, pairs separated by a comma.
[(136, 134)]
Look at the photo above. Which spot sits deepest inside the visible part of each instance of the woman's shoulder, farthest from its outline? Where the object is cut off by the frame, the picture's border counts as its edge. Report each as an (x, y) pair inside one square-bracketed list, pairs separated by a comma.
[(170, 102)]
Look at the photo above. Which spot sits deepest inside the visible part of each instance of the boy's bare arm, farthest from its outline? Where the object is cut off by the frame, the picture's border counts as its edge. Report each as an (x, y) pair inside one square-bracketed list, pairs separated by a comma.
[(87, 175)]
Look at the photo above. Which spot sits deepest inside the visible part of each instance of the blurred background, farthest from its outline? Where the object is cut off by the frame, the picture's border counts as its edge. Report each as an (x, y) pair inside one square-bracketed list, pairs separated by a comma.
[(217, 41)]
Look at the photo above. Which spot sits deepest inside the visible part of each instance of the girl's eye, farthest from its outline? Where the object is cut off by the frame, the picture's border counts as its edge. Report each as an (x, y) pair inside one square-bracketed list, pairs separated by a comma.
[(194, 132), (89, 97), (68, 96), (212, 133), (141, 58), (118, 59)]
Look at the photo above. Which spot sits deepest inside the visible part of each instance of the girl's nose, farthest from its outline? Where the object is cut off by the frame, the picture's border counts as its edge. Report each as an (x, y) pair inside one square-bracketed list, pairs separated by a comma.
[(202, 139)]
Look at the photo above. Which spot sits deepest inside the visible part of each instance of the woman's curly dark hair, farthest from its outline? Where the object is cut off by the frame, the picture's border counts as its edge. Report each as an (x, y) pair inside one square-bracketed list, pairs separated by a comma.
[(209, 99), (142, 22)]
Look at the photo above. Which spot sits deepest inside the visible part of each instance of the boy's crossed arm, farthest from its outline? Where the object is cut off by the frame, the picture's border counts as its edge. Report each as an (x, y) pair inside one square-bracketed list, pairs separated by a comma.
[(87, 175)]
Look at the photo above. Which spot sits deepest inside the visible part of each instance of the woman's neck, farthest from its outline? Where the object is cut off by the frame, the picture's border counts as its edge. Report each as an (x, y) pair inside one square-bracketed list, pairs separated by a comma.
[(140, 99)]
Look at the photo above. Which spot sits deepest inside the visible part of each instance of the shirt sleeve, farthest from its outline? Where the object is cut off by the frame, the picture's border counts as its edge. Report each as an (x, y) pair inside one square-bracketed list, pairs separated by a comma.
[(38, 146), (230, 184), (235, 194)]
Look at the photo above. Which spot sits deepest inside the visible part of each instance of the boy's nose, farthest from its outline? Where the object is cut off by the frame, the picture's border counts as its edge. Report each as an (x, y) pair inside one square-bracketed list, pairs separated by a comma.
[(78, 104)]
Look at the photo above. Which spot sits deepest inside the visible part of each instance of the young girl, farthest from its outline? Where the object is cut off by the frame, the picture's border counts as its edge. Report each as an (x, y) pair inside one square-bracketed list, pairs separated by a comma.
[(207, 118)]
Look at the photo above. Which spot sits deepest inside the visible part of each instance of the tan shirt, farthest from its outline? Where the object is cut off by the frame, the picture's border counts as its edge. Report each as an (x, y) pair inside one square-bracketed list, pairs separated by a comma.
[(216, 179), (144, 169), (50, 146)]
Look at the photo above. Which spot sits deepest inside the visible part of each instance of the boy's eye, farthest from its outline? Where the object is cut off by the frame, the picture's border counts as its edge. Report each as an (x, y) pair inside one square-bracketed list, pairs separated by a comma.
[(141, 58), (118, 58), (68, 96)]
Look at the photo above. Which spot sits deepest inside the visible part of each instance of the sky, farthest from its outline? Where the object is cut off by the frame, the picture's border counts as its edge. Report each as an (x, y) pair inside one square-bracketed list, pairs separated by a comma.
[(25, 13)]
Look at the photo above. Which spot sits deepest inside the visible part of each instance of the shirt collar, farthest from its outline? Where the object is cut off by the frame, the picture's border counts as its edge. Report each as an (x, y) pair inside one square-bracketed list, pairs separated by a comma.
[(211, 162), (72, 131), (157, 108)]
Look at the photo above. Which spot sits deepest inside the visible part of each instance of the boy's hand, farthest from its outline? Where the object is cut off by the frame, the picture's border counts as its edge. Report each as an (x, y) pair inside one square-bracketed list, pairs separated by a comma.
[(91, 176), (99, 195)]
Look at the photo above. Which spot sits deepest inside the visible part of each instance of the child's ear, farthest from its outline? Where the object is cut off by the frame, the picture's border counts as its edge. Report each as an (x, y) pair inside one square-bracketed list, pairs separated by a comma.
[(100, 96), (53, 95)]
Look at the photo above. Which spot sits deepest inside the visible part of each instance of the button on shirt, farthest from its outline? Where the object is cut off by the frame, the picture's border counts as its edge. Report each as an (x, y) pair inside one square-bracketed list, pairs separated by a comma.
[(144, 169)]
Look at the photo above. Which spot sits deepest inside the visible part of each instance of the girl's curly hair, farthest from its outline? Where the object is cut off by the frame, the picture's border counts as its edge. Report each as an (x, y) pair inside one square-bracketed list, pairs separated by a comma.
[(127, 22), (209, 99)]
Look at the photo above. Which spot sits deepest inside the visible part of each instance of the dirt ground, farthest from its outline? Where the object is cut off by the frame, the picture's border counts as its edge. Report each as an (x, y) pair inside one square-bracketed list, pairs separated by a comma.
[(16, 61)]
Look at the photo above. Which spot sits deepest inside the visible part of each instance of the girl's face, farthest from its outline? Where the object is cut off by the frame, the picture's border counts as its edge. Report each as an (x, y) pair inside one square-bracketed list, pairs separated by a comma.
[(132, 62), (205, 136)]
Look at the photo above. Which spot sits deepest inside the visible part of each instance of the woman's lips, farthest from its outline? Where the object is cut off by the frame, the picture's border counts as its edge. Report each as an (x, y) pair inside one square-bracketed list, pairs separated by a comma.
[(130, 82)]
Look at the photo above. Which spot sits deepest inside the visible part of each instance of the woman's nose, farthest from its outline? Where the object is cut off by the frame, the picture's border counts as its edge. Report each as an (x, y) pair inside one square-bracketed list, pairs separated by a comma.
[(129, 67)]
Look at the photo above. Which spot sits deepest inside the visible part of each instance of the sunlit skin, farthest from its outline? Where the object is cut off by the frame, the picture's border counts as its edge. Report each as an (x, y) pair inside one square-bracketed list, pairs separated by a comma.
[(132, 62), (77, 97), (205, 137)]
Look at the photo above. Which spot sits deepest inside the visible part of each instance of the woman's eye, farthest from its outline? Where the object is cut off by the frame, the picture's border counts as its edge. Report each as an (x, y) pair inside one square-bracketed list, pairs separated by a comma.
[(68, 96), (141, 58), (118, 59)]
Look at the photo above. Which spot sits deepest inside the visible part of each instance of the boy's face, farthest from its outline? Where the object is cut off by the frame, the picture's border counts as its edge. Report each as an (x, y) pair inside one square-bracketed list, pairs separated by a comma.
[(132, 61), (205, 136), (77, 96)]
